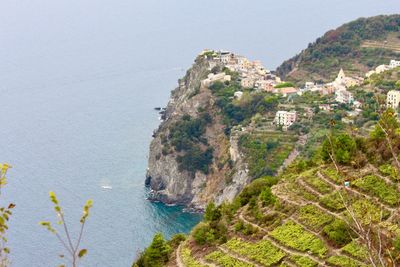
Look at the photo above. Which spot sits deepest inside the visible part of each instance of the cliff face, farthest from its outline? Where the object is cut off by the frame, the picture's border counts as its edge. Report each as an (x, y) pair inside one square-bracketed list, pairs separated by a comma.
[(224, 180)]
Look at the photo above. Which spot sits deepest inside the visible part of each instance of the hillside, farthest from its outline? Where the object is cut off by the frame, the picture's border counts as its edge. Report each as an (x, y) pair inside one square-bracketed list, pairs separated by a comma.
[(337, 204), (356, 47), (211, 144), (339, 209)]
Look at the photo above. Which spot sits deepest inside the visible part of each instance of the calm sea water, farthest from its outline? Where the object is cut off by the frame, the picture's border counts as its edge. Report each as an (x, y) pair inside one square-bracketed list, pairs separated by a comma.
[(78, 83)]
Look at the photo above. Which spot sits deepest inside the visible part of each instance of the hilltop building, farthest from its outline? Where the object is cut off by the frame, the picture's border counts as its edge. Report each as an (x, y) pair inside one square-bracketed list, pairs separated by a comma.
[(393, 99), (285, 118), (211, 78)]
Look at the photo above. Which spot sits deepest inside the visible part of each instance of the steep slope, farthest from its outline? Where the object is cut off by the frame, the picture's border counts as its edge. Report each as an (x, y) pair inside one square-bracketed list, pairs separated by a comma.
[(318, 214), (356, 47), (190, 155)]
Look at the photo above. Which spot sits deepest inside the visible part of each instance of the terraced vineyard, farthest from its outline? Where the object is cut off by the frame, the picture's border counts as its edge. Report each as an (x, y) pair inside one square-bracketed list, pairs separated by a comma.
[(314, 211)]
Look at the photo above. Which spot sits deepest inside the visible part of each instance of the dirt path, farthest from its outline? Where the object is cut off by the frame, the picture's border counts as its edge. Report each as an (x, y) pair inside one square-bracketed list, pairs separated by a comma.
[(294, 153), (179, 262), (309, 188)]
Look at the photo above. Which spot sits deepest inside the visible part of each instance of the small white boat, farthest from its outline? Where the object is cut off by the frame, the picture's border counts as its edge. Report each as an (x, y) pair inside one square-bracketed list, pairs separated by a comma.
[(106, 187)]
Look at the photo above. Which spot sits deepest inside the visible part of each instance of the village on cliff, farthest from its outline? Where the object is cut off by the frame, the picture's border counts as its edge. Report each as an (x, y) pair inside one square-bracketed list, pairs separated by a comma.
[(253, 75)]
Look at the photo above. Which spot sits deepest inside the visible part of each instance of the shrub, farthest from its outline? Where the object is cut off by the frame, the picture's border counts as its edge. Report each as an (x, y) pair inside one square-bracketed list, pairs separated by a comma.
[(338, 232), (157, 254), (206, 234), (266, 197), (255, 188), (212, 213), (343, 148)]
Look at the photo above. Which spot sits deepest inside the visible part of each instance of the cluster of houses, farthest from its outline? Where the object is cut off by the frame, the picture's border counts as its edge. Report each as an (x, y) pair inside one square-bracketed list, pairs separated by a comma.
[(381, 68), (254, 75)]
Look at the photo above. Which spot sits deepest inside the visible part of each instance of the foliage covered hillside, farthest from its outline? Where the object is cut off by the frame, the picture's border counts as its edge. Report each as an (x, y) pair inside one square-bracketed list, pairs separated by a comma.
[(356, 47), (339, 209)]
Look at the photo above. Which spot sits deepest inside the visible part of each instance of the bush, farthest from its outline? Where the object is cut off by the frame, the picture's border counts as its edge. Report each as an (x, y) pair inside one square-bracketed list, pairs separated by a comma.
[(176, 240), (156, 255), (266, 197), (338, 232), (205, 233), (343, 148), (255, 188), (212, 213)]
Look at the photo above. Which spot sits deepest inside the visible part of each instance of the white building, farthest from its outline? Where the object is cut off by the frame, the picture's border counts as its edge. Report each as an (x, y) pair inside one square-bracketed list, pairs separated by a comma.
[(394, 64), (211, 78), (344, 97), (238, 95), (285, 118), (393, 99)]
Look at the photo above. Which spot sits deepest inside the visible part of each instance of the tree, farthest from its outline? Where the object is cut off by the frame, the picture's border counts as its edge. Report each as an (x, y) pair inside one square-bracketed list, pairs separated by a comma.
[(339, 149), (385, 138), (72, 249), (212, 212), (157, 254)]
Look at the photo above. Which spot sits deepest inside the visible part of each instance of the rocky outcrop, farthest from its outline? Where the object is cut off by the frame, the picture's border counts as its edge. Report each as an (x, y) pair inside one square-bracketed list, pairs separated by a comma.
[(228, 174)]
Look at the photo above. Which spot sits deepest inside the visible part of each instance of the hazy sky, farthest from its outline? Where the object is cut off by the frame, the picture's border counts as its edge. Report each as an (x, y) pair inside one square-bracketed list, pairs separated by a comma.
[(168, 30)]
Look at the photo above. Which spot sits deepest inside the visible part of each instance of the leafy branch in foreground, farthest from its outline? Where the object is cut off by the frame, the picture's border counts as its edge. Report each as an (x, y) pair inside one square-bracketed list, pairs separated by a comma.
[(5, 213), (72, 248)]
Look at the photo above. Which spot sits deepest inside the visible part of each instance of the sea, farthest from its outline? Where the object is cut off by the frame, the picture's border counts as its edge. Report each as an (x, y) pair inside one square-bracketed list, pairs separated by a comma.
[(79, 81)]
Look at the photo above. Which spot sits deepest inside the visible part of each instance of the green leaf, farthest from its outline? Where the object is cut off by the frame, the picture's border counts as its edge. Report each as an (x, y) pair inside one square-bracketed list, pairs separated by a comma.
[(82, 253)]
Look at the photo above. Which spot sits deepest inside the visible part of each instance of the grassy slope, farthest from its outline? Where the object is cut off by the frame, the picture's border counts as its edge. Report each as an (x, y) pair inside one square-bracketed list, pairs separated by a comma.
[(356, 47)]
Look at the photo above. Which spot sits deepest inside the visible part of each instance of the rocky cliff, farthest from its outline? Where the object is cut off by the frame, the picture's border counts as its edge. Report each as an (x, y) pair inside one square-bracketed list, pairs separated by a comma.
[(227, 173)]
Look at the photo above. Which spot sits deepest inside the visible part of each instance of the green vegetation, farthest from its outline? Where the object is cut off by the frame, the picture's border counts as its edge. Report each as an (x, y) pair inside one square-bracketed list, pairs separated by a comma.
[(156, 255), (262, 252), (265, 153), (254, 189), (73, 249), (245, 228), (188, 260), (343, 261), (333, 201), (347, 46), (342, 148), (303, 261), (317, 183), (390, 171), (338, 232), (356, 250), (225, 260), (284, 85), (333, 175), (239, 112), (376, 186), (186, 136), (313, 217), (5, 214), (294, 236)]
